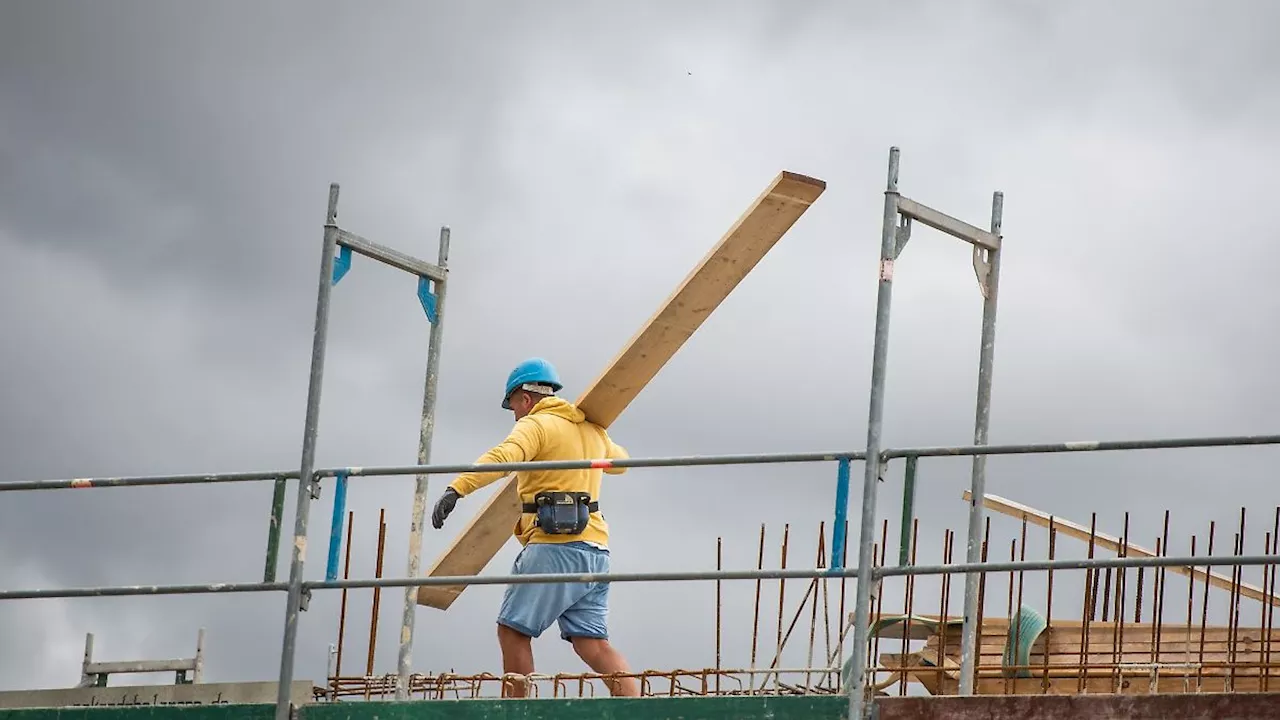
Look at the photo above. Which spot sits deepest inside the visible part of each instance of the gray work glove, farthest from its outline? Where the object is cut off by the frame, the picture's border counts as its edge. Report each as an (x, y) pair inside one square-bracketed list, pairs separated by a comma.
[(444, 506)]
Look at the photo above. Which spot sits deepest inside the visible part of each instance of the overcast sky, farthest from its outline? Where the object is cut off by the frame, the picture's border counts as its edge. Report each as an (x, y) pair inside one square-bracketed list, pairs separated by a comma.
[(164, 169)]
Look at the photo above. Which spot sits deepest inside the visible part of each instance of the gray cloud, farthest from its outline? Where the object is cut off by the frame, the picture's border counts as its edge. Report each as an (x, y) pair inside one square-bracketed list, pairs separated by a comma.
[(163, 185)]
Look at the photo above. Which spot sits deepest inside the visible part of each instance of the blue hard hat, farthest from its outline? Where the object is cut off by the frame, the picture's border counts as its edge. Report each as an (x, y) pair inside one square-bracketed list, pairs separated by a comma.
[(534, 370)]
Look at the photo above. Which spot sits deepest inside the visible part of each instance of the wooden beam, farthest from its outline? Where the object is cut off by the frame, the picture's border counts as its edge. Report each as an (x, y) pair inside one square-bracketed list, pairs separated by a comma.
[(1080, 532), (757, 230)]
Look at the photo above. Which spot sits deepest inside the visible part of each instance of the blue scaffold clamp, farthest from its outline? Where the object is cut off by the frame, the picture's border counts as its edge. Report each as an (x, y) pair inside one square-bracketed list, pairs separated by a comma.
[(341, 264), (427, 298)]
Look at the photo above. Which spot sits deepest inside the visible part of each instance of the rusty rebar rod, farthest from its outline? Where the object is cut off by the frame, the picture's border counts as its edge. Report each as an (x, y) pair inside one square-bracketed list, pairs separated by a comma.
[(342, 610), (377, 591)]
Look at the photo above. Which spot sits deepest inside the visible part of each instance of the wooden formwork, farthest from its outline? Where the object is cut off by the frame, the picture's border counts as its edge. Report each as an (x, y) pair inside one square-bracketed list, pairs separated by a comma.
[(1072, 657)]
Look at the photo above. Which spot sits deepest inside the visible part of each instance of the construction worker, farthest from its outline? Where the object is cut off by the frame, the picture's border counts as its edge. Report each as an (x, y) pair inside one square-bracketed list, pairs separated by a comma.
[(561, 529)]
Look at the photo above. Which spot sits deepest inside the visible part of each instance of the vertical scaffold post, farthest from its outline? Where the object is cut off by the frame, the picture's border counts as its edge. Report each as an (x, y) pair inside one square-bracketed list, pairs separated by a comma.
[(293, 604), (867, 578), (986, 264), (427, 430)]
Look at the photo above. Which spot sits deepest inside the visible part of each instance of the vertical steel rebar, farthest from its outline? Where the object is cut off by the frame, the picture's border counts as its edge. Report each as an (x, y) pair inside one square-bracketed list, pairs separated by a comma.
[(377, 591), (1269, 585), (876, 611), (755, 624), (1233, 611), (944, 586), (1022, 582), (826, 620), (1162, 581), (782, 590), (426, 433), (342, 609), (293, 602), (875, 421), (982, 587), (1191, 600), (1204, 605), (719, 566), (982, 418), (1121, 600), (817, 585), (908, 604), (1089, 606), (1013, 626), (1048, 609)]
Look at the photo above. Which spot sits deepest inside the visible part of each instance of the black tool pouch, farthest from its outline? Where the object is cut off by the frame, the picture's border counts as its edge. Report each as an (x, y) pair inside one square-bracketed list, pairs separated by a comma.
[(562, 513)]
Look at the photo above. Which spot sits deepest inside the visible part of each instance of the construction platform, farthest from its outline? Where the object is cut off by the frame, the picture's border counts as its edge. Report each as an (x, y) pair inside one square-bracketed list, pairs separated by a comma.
[(999, 646), (1213, 706)]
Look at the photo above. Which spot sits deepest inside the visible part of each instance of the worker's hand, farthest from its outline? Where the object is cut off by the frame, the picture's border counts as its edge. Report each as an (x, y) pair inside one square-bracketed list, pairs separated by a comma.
[(444, 506)]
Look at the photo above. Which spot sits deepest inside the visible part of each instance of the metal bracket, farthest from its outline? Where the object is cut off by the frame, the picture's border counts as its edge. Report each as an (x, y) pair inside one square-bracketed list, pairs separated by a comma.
[(304, 599), (335, 532), (427, 298), (982, 269), (341, 264), (315, 488), (903, 234)]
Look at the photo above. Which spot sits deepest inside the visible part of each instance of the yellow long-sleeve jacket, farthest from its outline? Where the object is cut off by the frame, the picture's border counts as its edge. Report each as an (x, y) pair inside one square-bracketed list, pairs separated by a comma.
[(555, 429)]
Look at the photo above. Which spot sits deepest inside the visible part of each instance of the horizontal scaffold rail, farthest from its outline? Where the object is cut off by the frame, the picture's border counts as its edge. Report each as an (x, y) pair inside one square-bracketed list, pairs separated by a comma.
[(677, 461), (684, 576)]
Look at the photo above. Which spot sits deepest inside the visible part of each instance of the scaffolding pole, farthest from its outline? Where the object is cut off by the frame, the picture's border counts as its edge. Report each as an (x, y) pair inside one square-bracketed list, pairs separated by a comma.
[(294, 601), (427, 430), (898, 216), (988, 271), (332, 270), (889, 248)]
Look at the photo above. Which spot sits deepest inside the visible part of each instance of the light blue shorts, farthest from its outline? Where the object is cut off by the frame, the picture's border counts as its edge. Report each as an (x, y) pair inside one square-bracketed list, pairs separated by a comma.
[(582, 609)]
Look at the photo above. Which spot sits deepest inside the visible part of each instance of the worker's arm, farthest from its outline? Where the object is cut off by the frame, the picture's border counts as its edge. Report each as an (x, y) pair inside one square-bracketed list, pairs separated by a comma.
[(522, 445), (615, 452)]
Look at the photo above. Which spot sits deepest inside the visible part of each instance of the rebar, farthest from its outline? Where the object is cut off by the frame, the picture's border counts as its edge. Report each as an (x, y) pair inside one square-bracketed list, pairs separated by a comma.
[(428, 687), (755, 628), (377, 591), (719, 567), (342, 609)]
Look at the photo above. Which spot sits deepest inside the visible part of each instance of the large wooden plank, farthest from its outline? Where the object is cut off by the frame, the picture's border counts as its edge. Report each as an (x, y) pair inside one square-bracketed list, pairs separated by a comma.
[(1114, 544), (757, 230)]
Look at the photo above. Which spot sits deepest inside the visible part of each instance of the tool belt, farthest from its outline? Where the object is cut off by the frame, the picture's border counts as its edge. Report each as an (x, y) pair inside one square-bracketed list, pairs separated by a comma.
[(562, 513)]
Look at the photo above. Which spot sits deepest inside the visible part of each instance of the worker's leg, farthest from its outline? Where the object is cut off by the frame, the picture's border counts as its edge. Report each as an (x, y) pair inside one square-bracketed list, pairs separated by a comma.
[(517, 658), (603, 658), (529, 609), (586, 625)]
